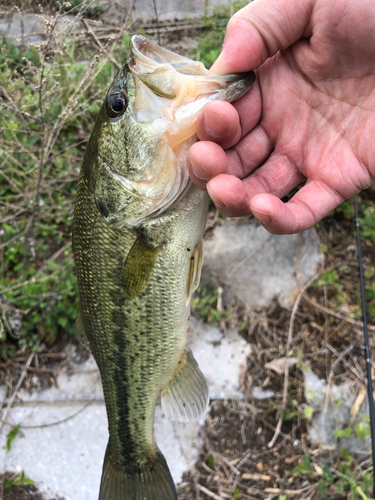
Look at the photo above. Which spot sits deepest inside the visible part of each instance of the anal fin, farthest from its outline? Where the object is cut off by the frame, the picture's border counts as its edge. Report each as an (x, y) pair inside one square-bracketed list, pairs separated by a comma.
[(186, 397)]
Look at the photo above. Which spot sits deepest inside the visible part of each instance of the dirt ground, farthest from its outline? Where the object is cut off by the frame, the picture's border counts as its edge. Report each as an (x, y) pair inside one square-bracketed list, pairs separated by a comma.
[(235, 459), (22, 492)]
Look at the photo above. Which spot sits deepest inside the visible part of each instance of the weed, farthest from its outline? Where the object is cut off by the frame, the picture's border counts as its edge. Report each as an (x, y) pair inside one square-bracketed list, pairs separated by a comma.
[(237, 494), (17, 479), (210, 42), (210, 461), (11, 436), (346, 476), (49, 97), (205, 304), (368, 220)]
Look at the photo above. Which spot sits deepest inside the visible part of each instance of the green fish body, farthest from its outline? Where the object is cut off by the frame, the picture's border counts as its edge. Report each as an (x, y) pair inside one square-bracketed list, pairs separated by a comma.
[(137, 241)]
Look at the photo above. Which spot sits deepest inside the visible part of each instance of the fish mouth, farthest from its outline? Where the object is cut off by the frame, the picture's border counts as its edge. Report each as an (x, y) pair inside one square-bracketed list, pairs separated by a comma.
[(163, 72), (171, 90)]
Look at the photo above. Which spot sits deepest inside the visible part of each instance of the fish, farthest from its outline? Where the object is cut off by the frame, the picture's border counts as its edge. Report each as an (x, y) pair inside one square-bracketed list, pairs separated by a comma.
[(137, 240)]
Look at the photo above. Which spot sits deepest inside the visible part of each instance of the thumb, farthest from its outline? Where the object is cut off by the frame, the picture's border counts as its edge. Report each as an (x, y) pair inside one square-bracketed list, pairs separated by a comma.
[(261, 29)]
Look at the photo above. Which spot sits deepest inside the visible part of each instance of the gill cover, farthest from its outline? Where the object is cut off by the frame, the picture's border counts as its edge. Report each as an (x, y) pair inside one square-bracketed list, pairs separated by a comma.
[(150, 123)]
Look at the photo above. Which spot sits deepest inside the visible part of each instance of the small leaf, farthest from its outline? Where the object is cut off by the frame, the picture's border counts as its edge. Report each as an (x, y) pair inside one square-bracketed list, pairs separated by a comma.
[(339, 433), (309, 410), (278, 365), (27, 480), (362, 430), (12, 435)]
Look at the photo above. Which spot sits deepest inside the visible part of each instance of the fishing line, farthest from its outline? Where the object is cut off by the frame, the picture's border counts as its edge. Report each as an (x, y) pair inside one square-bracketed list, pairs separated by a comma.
[(366, 347)]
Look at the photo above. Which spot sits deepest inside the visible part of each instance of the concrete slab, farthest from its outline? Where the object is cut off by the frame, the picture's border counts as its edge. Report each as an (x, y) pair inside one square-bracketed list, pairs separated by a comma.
[(254, 266), (221, 358), (66, 459), (64, 432)]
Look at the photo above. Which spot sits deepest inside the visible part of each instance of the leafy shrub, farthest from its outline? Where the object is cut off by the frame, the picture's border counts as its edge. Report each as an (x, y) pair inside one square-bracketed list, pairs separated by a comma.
[(50, 96)]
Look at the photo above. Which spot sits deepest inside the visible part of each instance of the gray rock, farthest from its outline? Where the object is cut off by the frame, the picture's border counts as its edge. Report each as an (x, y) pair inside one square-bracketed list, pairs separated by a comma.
[(255, 266), (337, 415)]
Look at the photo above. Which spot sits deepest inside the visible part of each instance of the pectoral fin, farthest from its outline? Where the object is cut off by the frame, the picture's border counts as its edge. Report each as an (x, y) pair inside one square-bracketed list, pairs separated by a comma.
[(138, 267), (195, 268), (80, 330), (185, 398)]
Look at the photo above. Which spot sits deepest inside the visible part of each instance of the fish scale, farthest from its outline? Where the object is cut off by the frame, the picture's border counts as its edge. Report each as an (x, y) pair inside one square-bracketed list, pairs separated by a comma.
[(148, 329), (138, 256)]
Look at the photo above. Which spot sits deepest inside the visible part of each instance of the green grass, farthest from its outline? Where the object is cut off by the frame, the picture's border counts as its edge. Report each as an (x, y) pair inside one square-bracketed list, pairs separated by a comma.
[(214, 25)]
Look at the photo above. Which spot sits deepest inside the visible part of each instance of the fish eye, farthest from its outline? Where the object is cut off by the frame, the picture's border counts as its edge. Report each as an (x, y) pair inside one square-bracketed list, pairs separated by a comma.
[(116, 104)]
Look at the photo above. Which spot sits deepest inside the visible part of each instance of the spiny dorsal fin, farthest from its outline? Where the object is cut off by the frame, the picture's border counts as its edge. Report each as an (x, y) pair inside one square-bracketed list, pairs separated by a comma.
[(195, 268), (138, 267), (185, 398)]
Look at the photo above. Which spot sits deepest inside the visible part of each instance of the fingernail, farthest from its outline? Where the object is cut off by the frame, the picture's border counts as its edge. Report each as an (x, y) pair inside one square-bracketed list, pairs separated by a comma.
[(218, 203), (214, 125), (198, 170), (263, 217)]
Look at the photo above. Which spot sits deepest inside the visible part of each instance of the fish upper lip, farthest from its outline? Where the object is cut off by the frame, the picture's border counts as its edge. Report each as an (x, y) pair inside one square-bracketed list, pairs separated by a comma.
[(147, 52), (148, 59)]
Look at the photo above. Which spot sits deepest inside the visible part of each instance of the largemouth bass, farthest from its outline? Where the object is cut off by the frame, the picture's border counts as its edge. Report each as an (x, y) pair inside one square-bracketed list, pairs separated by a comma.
[(137, 241)]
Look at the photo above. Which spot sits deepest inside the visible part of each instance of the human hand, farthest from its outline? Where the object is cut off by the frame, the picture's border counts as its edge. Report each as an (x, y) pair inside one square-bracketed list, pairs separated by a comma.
[(310, 115)]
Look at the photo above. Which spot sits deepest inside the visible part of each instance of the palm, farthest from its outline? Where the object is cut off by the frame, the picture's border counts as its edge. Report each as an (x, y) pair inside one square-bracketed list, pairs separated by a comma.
[(313, 118)]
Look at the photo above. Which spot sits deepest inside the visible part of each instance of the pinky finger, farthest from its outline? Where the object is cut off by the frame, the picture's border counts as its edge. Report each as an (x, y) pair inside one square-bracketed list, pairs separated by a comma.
[(313, 202)]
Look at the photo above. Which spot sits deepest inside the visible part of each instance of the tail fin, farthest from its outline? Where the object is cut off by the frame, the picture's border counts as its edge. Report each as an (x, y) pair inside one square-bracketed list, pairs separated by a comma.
[(152, 483)]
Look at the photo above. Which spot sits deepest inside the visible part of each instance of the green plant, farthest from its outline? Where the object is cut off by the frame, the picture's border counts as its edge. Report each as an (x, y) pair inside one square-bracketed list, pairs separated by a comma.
[(368, 220), (11, 436), (237, 494), (17, 479), (210, 42), (345, 477), (205, 304), (49, 97)]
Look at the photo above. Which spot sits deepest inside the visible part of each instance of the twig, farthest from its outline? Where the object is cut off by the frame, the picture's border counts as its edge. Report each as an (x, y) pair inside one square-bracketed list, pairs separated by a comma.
[(208, 492), (336, 315), (157, 21), (18, 385), (299, 255), (286, 371), (100, 45), (249, 256), (34, 279), (42, 426), (332, 370)]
